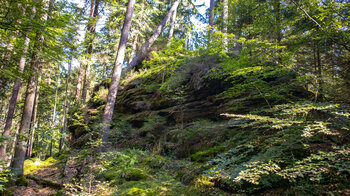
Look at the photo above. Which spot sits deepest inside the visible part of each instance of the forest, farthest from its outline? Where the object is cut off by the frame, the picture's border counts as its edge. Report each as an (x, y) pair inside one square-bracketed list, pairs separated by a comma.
[(174, 97)]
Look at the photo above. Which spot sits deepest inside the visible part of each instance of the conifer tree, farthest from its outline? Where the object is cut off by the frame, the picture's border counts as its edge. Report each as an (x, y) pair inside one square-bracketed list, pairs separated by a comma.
[(113, 89)]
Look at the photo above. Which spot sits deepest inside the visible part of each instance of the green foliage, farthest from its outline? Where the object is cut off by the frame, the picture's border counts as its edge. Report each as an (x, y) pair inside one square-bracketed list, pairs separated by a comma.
[(100, 96), (32, 166), (5, 176), (137, 172), (21, 180), (199, 135), (284, 155), (206, 155), (153, 127)]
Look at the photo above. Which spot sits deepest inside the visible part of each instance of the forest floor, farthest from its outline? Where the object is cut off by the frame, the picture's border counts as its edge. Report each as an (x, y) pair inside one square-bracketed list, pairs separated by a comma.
[(36, 188)]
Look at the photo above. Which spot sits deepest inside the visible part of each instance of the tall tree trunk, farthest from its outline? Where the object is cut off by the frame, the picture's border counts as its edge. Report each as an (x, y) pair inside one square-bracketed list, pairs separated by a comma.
[(277, 5), (319, 75), (134, 48), (50, 148), (33, 123), (172, 26), (211, 15), (225, 21), (78, 88), (66, 105), (20, 150), (28, 109), (53, 123), (113, 89), (90, 36), (14, 96), (142, 54), (14, 142)]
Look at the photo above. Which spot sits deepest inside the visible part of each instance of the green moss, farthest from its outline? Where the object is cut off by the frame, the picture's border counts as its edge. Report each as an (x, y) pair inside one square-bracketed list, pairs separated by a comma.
[(206, 155), (141, 192), (154, 162), (135, 174), (152, 88), (62, 156), (21, 180), (111, 175), (128, 174), (33, 165)]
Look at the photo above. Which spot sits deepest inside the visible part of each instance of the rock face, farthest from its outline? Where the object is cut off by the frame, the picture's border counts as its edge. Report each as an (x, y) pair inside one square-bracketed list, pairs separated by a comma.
[(190, 96)]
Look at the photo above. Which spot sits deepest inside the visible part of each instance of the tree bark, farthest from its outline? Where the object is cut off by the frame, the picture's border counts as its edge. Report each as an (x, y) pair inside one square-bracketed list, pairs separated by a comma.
[(14, 96), (20, 150), (319, 75), (33, 123), (113, 89), (13, 146), (53, 123), (211, 15), (66, 105), (225, 21), (172, 26), (90, 36), (278, 33), (142, 54), (78, 89)]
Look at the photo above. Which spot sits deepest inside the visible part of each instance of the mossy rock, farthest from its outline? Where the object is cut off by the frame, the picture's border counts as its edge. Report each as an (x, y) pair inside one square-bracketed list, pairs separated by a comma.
[(135, 174), (21, 180), (139, 192)]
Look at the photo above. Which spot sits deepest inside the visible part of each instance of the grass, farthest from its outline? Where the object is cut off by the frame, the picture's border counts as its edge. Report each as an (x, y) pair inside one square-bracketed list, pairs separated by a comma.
[(32, 166)]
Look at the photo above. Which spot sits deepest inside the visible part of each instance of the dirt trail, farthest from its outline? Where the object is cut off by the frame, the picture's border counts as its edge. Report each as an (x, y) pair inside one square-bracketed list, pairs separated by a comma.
[(35, 188)]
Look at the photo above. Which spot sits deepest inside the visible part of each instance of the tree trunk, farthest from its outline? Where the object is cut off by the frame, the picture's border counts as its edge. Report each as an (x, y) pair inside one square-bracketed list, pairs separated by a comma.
[(14, 96), (225, 21), (211, 15), (27, 110), (113, 89), (134, 48), (319, 75), (50, 148), (33, 123), (78, 89), (66, 105), (142, 54), (277, 5), (172, 26), (20, 150), (53, 123), (13, 146), (90, 36)]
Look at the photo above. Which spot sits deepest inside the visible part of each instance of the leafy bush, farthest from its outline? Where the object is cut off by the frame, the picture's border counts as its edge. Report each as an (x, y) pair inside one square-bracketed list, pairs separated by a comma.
[(5, 176), (303, 144), (100, 97)]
